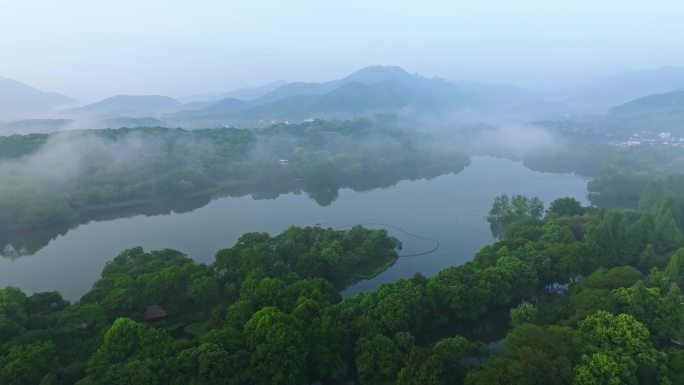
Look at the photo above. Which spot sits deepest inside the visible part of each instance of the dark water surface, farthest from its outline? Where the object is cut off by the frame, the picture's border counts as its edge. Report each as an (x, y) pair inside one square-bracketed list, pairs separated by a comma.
[(449, 209)]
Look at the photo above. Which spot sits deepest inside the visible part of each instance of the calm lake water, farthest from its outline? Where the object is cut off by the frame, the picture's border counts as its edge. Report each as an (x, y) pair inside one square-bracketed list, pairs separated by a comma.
[(449, 209)]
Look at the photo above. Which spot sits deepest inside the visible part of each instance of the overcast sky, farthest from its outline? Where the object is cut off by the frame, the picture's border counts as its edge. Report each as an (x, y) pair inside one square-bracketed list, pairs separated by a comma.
[(95, 48)]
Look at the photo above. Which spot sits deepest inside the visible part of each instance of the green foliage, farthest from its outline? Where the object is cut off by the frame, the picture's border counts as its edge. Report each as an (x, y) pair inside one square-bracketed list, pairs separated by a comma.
[(525, 313), (621, 340), (619, 189), (133, 353), (136, 279), (339, 256), (269, 311), (540, 354), (333, 254), (28, 364), (440, 364), (660, 312), (566, 206), (675, 268), (621, 276), (277, 348), (377, 360), (675, 365), (597, 369), (506, 210), (15, 146)]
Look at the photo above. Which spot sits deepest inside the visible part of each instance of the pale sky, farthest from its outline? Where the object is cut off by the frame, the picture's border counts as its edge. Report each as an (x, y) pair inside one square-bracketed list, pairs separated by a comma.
[(96, 48)]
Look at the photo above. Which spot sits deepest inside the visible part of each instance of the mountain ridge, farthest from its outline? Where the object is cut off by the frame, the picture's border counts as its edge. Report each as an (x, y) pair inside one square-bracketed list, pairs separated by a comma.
[(20, 100), (374, 89)]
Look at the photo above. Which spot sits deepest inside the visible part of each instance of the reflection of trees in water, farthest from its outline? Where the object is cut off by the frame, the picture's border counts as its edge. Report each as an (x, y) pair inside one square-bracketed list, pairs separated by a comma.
[(16, 244), (27, 242)]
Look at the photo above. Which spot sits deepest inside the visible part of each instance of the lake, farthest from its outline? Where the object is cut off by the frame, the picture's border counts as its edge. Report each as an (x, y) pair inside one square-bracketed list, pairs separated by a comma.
[(447, 211)]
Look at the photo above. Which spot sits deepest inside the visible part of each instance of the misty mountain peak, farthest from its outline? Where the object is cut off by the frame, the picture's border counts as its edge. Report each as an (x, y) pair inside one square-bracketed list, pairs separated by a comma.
[(19, 100), (9, 85), (136, 99), (377, 74), (130, 105), (669, 102)]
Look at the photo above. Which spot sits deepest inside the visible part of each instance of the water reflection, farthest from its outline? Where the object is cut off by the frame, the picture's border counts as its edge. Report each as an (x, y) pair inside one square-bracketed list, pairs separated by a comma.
[(450, 209), (20, 243)]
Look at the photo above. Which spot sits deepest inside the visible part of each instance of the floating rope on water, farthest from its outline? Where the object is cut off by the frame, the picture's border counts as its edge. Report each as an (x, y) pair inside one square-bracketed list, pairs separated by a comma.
[(470, 228), (435, 247), (436, 244)]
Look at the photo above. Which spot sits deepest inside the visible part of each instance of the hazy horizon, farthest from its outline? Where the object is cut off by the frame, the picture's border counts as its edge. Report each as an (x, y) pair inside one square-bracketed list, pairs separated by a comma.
[(93, 50)]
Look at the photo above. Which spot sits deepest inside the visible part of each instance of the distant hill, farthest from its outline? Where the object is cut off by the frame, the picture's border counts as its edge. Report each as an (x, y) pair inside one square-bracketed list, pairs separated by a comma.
[(19, 100), (368, 75), (541, 110), (367, 91), (245, 94), (501, 94), (134, 122), (250, 93), (29, 126), (298, 89), (134, 106), (352, 99), (609, 91), (222, 107), (652, 113), (669, 103), (655, 113)]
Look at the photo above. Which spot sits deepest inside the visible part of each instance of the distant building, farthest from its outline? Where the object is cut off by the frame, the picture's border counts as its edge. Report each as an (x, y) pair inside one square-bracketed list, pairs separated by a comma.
[(154, 313)]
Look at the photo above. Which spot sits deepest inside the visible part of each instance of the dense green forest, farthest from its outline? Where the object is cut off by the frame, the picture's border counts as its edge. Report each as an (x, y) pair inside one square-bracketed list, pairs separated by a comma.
[(578, 295), (65, 177), (566, 295)]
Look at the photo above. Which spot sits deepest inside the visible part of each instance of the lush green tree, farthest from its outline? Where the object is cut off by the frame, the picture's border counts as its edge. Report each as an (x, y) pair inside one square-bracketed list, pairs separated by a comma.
[(571, 261), (506, 210), (278, 354), (29, 364), (662, 314), (669, 234), (13, 315), (540, 354), (624, 340), (325, 335), (566, 206), (204, 291), (133, 353), (525, 313), (598, 369), (378, 360), (588, 301), (495, 372), (675, 365), (622, 276), (675, 268), (450, 355), (609, 240), (399, 306), (209, 364), (420, 368)]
